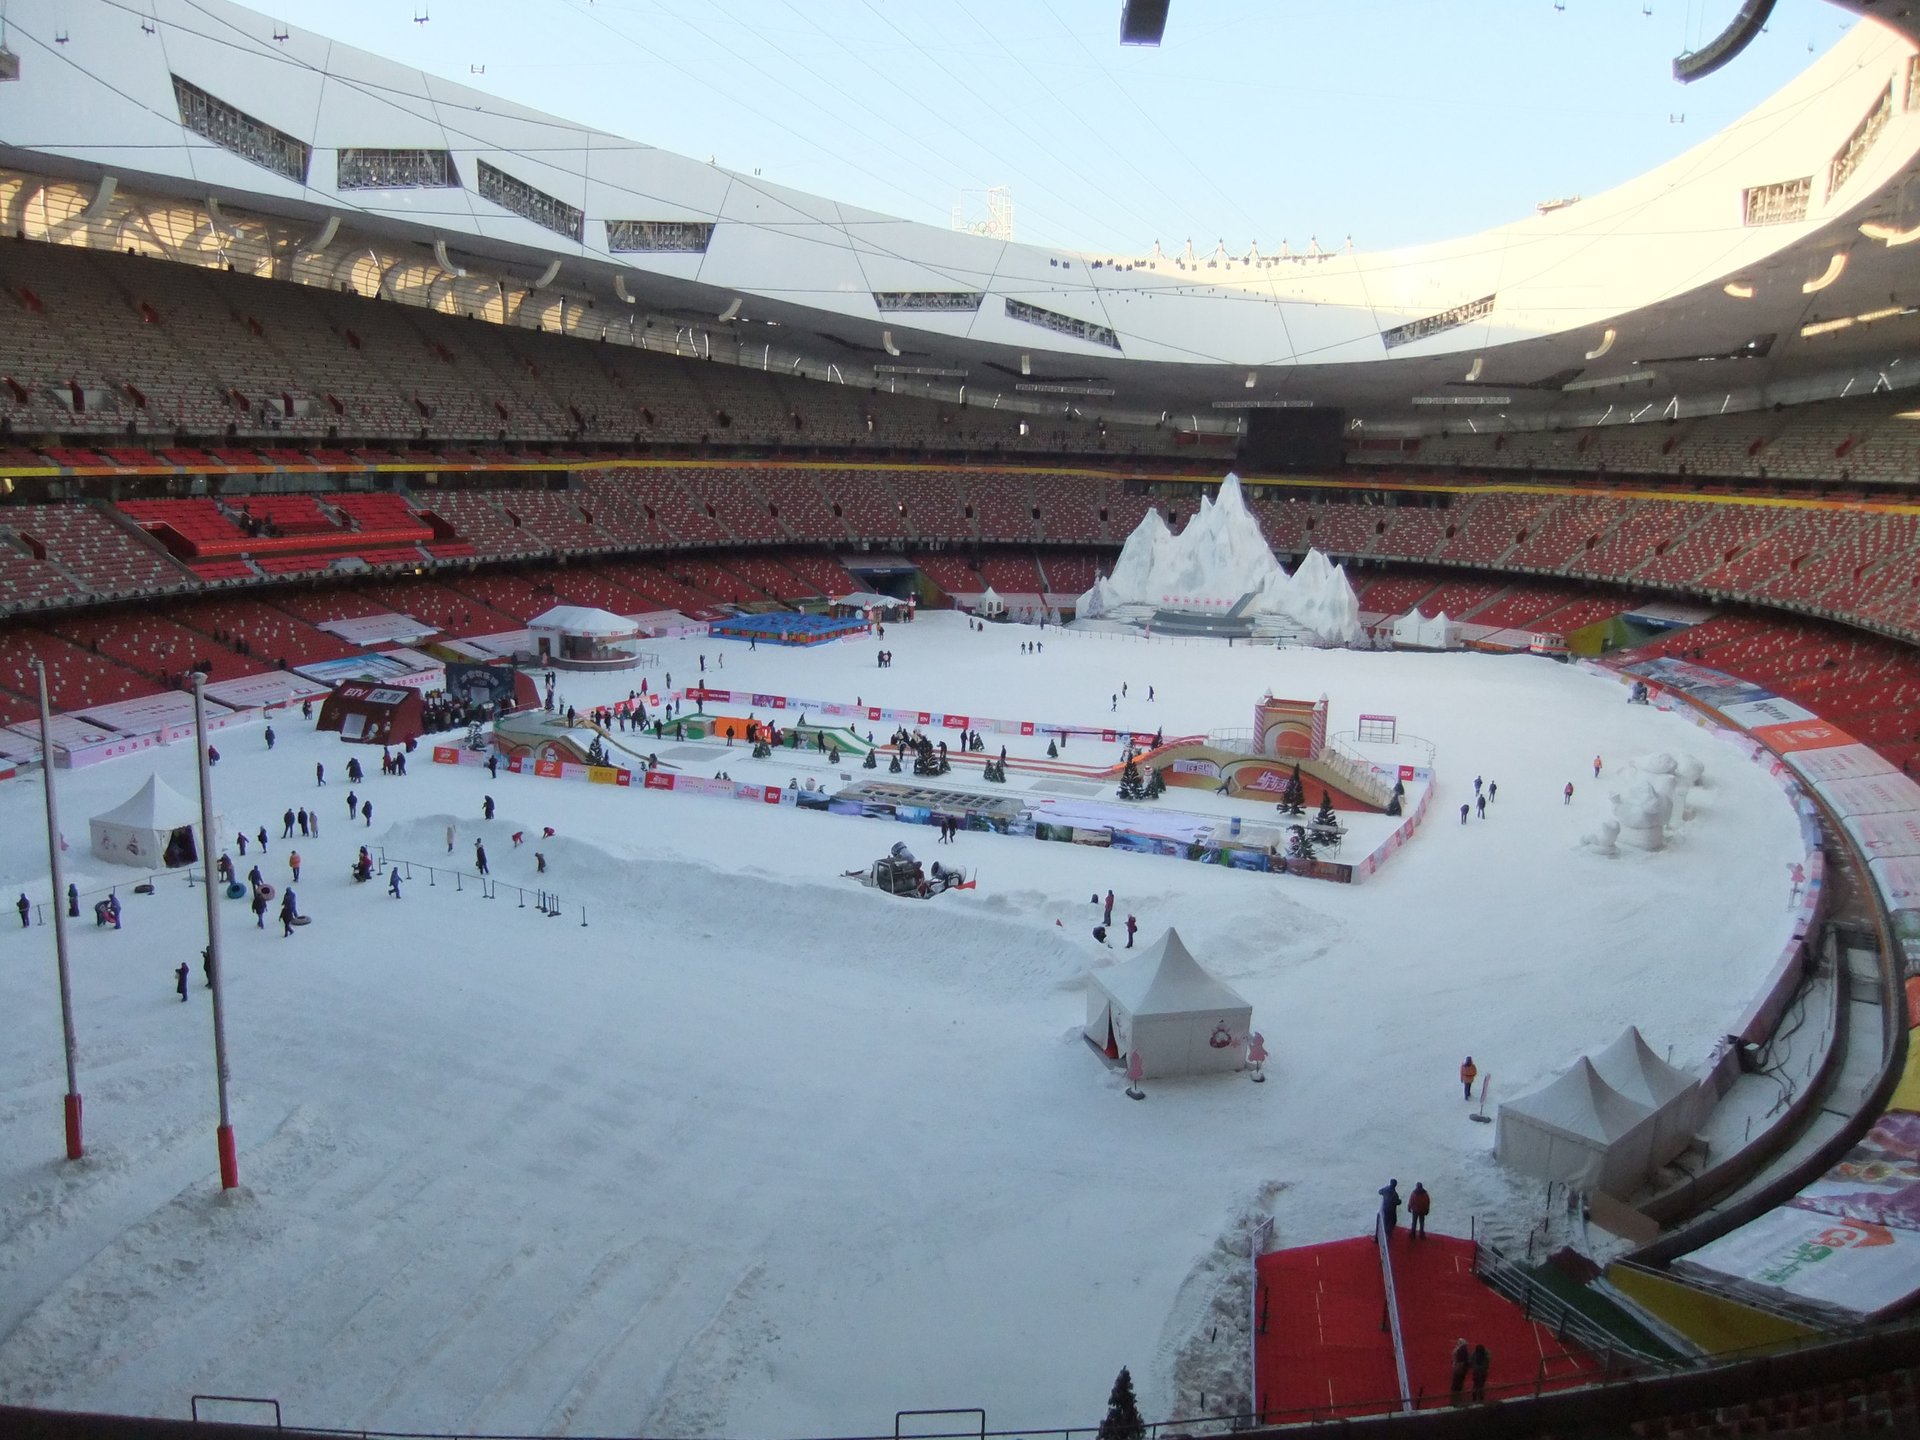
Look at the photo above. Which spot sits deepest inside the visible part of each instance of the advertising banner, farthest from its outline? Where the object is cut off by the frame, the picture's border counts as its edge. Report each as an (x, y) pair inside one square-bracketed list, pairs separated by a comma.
[(1851, 1269), (1801, 735), (1878, 1181), (1899, 880), (1884, 837), (1752, 714), (1870, 794), (1839, 762)]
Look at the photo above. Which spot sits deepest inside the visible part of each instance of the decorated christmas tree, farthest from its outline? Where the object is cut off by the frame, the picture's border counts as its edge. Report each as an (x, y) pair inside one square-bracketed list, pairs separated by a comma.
[(871, 762), (1326, 818), (1156, 786), (1131, 787), (893, 765), (1300, 844)]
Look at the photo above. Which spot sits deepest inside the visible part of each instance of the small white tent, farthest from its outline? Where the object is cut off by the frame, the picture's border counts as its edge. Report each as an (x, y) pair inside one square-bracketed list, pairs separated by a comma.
[(1675, 1097), (1579, 1130), (1179, 1018), (990, 604), (156, 827), (1418, 632)]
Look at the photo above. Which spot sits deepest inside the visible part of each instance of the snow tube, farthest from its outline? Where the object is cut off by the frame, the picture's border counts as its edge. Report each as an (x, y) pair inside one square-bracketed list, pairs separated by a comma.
[(303, 919), (235, 890), (266, 890)]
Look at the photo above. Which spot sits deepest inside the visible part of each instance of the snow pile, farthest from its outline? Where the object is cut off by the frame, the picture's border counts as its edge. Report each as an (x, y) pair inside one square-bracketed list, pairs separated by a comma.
[(1218, 560)]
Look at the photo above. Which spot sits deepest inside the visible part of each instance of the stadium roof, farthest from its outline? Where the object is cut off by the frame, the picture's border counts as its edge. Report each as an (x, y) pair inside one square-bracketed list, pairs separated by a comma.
[(1765, 265)]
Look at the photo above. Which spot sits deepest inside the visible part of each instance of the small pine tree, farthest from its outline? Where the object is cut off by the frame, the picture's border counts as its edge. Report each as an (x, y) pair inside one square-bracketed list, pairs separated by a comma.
[(870, 763), (1293, 799), (596, 752), (1130, 785), (1123, 1420), (1393, 804), (1156, 785), (893, 765), (1326, 816), (1053, 751), (1399, 789), (1300, 844)]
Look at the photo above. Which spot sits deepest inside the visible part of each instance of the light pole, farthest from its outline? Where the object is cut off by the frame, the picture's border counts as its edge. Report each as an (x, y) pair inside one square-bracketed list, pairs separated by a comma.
[(75, 1147), (229, 1161)]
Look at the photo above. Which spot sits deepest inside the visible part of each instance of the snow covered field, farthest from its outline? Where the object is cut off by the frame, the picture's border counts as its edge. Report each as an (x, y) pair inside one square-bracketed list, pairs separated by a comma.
[(763, 1153)]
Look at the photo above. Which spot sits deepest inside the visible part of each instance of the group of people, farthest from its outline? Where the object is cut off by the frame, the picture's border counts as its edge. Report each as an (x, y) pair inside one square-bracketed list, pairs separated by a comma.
[(1419, 1203), (1484, 792), (1474, 1361), (441, 711), (885, 659), (1101, 930)]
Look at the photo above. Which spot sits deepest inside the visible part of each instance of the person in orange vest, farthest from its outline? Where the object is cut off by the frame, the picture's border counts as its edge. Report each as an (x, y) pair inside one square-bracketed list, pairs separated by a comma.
[(1469, 1072), (293, 864), (1596, 767), (1419, 1202)]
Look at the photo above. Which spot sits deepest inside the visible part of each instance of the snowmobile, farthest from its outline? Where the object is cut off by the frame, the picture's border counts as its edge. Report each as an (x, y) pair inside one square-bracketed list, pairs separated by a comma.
[(898, 873)]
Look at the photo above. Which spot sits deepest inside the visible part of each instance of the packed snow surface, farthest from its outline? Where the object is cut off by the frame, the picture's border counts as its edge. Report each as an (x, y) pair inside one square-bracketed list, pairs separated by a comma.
[(760, 1152), (1218, 560)]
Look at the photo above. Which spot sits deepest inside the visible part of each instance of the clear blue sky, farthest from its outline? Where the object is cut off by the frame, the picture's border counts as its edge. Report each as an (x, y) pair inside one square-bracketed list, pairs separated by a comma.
[(1395, 121)]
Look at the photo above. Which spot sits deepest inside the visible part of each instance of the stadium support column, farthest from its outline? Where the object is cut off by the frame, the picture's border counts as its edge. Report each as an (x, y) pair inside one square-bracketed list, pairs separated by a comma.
[(229, 1161), (75, 1146)]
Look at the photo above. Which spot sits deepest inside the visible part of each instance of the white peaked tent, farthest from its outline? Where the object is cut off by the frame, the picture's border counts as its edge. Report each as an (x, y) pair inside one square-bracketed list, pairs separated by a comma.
[(156, 827), (1579, 1130), (1162, 1004), (1675, 1097), (990, 604), (1416, 630), (584, 620)]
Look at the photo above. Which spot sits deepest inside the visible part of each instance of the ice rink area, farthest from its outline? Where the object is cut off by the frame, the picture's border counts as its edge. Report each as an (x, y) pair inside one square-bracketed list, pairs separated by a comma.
[(759, 1152)]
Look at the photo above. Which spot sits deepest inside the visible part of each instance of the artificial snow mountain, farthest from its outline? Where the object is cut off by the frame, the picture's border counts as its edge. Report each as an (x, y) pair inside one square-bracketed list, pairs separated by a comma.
[(1221, 563)]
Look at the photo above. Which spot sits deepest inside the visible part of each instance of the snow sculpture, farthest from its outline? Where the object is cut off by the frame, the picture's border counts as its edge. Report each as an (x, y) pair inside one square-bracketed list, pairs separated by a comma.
[(1220, 560), (1642, 812), (1671, 777), (1603, 841)]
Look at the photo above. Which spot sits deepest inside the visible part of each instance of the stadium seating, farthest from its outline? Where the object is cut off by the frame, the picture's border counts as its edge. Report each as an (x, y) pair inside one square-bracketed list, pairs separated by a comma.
[(105, 557), (76, 677)]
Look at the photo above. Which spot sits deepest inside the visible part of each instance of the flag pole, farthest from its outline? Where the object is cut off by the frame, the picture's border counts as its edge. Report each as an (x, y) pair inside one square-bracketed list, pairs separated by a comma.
[(75, 1145), (229, 1161)]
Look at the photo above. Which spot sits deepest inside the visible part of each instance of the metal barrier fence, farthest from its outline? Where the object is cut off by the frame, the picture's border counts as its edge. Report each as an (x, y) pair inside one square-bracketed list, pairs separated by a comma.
[(545, 902)]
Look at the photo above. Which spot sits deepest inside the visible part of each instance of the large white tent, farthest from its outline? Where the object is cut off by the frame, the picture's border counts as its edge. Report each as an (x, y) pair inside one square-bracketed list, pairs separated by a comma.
[(1675, 1097), (156, 827), (1579, 1130), (584, 620), (1419, 632), (1180, 1019)]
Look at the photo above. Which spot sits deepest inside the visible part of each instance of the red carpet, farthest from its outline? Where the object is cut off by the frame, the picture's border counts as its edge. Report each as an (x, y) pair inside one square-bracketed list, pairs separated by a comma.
[(1441, 1301), (1322, 1351)]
